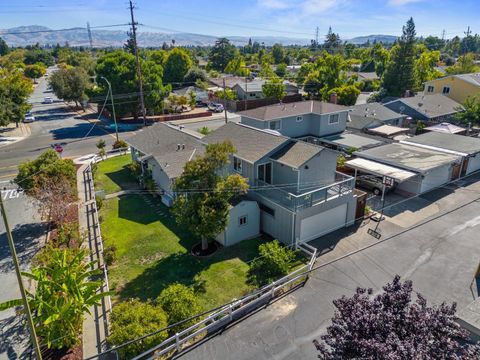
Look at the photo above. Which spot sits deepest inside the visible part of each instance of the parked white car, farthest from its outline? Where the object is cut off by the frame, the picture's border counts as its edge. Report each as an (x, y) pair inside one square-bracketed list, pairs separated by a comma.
[(29, 118), (48, 100)]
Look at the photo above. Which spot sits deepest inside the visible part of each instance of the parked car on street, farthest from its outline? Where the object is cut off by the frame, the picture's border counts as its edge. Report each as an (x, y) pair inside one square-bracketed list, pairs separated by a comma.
[(48, 100), (372, 183), (215, 107), (29, 117)]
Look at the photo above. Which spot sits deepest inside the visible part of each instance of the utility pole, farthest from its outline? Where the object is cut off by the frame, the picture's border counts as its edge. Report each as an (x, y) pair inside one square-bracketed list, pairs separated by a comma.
[(443, 35), (90, 39), (225, 100), (113, 105), (137, 59), (468, 32), (317, 30), (26, 306)]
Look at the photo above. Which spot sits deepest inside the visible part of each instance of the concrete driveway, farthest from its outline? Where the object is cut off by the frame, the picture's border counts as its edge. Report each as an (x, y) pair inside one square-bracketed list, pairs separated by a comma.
[(440, 254)]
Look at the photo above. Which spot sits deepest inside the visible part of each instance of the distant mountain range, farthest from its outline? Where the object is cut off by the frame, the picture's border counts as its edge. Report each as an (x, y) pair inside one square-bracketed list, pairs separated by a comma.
[(116, 38)]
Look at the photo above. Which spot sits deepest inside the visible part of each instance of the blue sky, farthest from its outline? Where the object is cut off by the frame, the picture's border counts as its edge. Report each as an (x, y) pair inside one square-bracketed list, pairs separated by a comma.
[(290, 18)]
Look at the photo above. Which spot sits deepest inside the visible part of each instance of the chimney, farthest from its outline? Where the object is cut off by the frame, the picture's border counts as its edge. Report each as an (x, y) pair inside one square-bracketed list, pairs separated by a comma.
[(333, 98)]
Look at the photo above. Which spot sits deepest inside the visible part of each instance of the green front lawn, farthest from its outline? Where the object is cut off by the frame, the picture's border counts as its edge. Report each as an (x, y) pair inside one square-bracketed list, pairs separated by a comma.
[(153, 252), (113, 175)]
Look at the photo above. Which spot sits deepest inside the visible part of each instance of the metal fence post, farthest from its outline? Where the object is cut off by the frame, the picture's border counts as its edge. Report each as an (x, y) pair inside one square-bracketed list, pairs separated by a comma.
[(177, 342)]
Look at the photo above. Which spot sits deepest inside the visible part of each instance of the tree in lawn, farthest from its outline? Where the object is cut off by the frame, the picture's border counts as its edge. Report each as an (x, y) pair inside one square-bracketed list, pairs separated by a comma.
[(14, 91), (399, 75), (470, 111), (203, 195), (274, 88), (391, 325), (70, 84), (221, 54), (176, 66), (35, 71), (63, 295)]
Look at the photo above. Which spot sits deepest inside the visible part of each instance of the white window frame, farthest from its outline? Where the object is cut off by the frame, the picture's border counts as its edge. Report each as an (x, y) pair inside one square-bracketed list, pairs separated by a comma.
[(299, 118), (446, 88), (279, 122), (240, 220), (271, 172), (430, 88), (237, 161), (333, 116)]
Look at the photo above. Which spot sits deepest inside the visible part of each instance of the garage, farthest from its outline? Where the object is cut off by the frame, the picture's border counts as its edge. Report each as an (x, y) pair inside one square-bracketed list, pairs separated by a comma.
[(435, 178), (323, 223), (473, 163)]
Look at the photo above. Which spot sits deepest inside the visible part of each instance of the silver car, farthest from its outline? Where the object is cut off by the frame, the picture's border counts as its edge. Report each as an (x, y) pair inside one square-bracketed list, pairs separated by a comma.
[(29, 118), (372, 183)]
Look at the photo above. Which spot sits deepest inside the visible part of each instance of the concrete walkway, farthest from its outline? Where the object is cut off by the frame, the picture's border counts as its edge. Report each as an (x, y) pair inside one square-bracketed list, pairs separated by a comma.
[(120, 193), (12, 133), (95, 325)]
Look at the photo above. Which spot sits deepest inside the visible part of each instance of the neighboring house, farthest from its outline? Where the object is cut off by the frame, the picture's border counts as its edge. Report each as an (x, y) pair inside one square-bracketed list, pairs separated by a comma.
[(365, 116), (414, 169), (298, 119), (446, 128), (456, 87), (388, 131), (434, 108), (254, 89), (347, 141), (164, 150), (466, 147), (299, 193), (200, 94), (243, 222), (365, 76)]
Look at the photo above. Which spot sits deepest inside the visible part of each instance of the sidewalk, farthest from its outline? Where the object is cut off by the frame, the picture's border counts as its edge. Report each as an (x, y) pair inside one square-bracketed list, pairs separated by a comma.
[(95, 325), (11, 133)]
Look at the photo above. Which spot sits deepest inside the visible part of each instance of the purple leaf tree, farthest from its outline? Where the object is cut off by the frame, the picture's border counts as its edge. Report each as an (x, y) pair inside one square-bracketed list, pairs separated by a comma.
[(392, 326)]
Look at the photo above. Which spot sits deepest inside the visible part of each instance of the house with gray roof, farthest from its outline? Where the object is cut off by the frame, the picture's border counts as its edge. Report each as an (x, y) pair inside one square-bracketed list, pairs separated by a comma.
[(298, 119), (434, 108), (163, 150), (299, 193), (465, 146), (370, 115), (456, 87)]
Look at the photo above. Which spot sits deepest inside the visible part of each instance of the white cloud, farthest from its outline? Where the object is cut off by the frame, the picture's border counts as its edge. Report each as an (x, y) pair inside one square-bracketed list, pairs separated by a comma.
[(402, 2), (314, 7), (274, 4)]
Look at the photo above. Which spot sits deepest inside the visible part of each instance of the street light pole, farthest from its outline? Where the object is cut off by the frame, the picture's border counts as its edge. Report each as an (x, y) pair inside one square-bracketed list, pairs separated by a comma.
[(11, 244), (113, 105)]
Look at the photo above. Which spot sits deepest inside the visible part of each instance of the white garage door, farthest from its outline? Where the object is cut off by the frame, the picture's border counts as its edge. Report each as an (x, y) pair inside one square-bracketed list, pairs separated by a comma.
[(323, 223), (473, 164), (436, 177)]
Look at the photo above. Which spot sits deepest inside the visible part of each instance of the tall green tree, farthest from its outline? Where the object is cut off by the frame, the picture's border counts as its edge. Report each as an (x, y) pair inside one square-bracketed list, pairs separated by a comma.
[(36, 55), (203, 196), (70, 84), (176, 66), (332, 41), (14, 91), (35, 71), (278, 53), (464, 65), (221, 54), (470, 111), (399, 74), (3, 47), (237, 66), (274, 88), (346, 94)]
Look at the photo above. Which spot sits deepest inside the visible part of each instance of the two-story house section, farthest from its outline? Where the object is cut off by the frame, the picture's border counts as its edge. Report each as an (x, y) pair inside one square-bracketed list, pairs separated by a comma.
[(299, 119), (456, 87), (299, 192)]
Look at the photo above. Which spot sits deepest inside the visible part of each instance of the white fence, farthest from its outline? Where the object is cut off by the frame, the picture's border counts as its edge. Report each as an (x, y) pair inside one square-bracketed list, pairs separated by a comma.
[(234, 311)]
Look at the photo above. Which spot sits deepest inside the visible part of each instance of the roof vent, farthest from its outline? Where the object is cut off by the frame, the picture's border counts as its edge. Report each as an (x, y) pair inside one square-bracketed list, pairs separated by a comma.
[(183, 146), (178, 147)]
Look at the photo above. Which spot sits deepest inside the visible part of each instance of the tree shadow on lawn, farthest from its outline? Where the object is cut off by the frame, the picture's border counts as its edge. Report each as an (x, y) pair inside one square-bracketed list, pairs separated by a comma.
[(184, 268), (123, 178)]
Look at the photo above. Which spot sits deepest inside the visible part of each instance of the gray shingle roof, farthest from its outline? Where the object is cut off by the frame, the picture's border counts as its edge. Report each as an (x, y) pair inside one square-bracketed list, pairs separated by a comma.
[(251, 144), (432, 106), (279, 111), (297, 153), (473, 78), (452, 142), (252, 86), (375, 111), (407, 157), (161, 142)]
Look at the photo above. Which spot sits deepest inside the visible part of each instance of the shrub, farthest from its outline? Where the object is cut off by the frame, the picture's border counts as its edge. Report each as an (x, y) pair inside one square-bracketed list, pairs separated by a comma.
[(274, 261), (204, 130), (119, 144), (99, 202), (110, 254), (179, 303), (68, 234), (100, 144), (135, 168), (341, 161), (132, 319)]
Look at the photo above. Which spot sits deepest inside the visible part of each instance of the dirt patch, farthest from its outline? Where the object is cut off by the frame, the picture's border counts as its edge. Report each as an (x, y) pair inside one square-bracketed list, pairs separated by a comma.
[(74, 353), (145, 260)]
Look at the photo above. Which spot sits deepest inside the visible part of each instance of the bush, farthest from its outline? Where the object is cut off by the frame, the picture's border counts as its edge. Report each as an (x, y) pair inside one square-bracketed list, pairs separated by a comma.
[(110, 254), (99, 202), (179, 303), (132, 319), (274, 261), (119, 144), (341, 161), (205, 130), (68, 234), (135, 168)]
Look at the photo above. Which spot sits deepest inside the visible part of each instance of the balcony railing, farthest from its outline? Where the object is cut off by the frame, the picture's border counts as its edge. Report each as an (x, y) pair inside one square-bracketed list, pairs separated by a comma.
[(287, 197)]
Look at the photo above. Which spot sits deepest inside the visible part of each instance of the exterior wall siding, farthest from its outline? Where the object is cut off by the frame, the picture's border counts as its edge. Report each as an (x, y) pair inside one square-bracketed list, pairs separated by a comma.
[(473, 163), (161, 179), (326, 129), (319, 169), (234, 232), (459, 89)]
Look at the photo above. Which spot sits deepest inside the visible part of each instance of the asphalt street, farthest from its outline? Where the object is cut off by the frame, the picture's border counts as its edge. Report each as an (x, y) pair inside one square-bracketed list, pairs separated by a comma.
[(439, 255), (55, 123)]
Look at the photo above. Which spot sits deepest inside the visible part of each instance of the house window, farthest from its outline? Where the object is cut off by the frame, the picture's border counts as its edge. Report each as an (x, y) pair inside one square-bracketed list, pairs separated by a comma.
[(252, 94), (237, 164), (299, 118), (242, 220), (275, 125), (333, 119), (266, 209), (265, 173), (446, 90), (430, 89)]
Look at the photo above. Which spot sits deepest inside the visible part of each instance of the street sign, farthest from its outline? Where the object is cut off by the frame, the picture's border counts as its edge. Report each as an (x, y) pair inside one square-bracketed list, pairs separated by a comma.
[(58, 148), (388, 181), (373, 233)]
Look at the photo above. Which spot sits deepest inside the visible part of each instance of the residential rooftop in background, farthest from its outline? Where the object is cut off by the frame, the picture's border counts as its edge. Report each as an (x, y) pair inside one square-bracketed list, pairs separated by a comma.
[(455, 143), (279, 111)]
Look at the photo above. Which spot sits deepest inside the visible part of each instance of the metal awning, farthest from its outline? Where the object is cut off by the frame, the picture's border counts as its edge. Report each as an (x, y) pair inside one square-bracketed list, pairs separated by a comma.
[(379, 169)]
